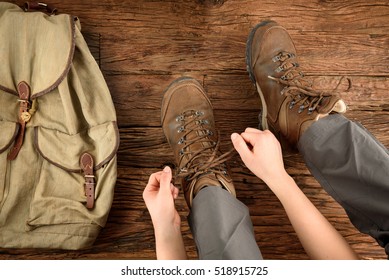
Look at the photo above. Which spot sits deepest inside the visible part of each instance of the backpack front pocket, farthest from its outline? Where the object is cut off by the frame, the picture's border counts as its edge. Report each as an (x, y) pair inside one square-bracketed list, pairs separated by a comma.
[(60, 196)]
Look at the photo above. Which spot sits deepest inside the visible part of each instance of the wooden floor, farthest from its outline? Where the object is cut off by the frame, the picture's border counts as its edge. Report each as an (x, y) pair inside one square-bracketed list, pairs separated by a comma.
[(141, 46)]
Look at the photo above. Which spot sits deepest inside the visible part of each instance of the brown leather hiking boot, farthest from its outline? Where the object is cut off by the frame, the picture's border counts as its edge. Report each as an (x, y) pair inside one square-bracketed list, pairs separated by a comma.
[(188, 123), (289, 104)]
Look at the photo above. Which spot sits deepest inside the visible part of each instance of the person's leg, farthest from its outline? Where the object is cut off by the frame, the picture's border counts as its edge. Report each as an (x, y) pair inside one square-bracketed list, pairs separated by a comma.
[(222, 227), (353, 167)]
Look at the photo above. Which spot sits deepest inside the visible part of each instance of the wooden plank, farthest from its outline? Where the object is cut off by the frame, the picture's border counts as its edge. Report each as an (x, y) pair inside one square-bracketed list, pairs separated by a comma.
[(210, 53)]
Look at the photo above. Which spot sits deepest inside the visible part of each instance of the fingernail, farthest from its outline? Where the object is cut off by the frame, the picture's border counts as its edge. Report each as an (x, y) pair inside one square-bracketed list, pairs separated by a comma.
[(166, 169), (234, 135)]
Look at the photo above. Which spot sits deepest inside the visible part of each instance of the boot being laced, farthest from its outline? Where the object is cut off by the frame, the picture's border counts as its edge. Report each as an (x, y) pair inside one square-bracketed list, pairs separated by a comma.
[(188, 124)]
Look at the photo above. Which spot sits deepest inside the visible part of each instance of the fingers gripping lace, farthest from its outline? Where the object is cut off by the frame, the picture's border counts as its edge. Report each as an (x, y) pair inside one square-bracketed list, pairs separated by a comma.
[(208, 158)]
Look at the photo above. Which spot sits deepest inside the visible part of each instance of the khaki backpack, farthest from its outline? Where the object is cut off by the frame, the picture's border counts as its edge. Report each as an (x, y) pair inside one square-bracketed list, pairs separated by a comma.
[(58, 134)]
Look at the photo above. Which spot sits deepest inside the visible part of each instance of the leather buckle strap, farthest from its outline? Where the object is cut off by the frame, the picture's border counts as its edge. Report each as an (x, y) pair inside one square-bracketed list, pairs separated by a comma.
[(28, 6), (24, 116), (86, 162)]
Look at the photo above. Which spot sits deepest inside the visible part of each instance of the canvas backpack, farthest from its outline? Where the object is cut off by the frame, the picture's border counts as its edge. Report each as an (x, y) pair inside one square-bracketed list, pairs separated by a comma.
[(58, 134)]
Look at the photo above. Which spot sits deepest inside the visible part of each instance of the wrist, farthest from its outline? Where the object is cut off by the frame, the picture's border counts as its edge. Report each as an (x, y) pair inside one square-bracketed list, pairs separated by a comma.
[(279, 183), (166, 232), (169, 243)]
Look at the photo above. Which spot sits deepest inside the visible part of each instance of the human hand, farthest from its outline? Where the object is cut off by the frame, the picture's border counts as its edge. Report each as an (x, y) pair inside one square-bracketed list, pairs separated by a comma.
[(159, 196), (261, 153)]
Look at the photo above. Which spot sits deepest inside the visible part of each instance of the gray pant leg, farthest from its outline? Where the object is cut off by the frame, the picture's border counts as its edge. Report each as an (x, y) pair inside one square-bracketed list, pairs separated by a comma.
[(222, 227), (353, 167)]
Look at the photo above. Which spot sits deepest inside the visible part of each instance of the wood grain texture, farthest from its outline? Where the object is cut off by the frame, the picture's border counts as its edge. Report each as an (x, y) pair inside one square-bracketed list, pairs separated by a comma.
[(142, 46)]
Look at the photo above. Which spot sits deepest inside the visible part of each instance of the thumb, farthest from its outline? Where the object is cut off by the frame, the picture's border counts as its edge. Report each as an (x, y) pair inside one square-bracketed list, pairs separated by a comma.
[(166, 178), (240, 146)]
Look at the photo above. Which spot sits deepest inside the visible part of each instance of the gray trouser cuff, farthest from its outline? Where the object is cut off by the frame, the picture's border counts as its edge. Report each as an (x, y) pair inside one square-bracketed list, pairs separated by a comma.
[(222, 227)]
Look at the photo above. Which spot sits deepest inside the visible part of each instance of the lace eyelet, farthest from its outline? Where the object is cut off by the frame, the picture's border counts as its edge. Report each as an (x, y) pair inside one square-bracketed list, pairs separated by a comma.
[(301, 108), (181, 152), (180, 129), (279, 69), (276, 58), (291, 105), (181, 141), (179, 118)]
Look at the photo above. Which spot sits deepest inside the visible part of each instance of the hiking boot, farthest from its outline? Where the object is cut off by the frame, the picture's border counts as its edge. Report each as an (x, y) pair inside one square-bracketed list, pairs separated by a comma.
[(289, 104), (188, 123)]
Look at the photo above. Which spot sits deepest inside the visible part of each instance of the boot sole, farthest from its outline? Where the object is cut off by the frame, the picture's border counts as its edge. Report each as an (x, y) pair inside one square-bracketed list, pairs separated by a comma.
[(263, 121)]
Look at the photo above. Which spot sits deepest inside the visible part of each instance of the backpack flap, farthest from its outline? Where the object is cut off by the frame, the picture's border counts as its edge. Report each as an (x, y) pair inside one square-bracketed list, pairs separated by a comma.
[(34, 52)]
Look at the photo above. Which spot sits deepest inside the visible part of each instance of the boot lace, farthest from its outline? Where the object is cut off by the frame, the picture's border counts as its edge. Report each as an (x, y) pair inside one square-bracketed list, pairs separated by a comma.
[(296, 84), (208, 159)]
